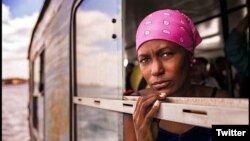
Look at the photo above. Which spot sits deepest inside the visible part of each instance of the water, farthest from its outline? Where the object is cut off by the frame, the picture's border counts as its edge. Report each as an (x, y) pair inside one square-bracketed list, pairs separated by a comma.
[(15, 118), (15, 112)]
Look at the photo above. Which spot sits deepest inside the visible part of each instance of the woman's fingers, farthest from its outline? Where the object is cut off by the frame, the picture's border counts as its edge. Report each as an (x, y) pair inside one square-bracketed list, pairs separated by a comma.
[(142, 106), (145, 105), (140, 101), (152, 113), (162, 96), (136, 109), (144, 102)]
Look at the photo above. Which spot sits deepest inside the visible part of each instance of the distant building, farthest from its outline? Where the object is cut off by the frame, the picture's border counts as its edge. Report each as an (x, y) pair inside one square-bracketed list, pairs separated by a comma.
[(14, 81)]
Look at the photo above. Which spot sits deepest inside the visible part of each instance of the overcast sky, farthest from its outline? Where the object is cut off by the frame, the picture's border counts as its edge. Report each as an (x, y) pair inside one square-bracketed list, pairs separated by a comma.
[(18, 20)]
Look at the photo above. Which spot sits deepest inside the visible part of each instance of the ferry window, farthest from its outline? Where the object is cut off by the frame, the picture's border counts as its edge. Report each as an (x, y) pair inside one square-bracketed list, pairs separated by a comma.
[(98, 67), (98, 52), (35, 93), (38, 95)]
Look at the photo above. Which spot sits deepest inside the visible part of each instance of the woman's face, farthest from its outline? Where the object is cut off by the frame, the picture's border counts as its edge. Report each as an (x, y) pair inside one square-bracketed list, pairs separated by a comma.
[(164, 65)]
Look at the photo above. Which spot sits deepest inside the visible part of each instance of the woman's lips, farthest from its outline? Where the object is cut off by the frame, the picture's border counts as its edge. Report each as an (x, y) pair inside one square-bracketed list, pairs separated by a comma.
[(161, 85)]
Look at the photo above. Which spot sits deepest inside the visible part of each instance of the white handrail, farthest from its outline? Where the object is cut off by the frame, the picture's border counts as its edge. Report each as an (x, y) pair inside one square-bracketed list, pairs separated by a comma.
[(203, 112)]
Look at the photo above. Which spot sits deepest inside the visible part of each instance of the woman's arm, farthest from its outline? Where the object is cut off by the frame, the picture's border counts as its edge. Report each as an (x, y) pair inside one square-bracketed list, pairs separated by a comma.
[(129, 131)]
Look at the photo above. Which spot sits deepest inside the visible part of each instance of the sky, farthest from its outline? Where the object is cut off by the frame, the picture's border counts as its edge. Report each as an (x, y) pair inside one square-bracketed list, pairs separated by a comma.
[(18, 20)]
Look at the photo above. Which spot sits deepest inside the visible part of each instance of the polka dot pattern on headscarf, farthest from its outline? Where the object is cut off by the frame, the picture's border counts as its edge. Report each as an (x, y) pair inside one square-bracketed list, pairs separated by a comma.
[(170, 25)]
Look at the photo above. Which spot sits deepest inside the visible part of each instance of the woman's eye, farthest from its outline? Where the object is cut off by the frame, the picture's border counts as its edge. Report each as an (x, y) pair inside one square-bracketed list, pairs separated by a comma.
[(144, 60), (166, 54)]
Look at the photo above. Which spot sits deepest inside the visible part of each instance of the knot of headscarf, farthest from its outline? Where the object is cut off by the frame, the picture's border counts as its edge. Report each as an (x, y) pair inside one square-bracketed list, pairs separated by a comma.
[(170, 25)]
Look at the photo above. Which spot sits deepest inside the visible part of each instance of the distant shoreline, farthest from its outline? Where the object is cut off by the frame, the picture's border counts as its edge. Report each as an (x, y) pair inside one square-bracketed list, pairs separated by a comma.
[(14, 81)]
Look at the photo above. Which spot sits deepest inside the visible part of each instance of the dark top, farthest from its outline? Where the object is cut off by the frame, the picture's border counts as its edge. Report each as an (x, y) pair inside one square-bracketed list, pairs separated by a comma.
[(194, 134)]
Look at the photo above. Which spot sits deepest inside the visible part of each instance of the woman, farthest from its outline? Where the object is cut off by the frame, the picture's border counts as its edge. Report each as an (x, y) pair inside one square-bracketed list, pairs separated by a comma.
[(165, 42)]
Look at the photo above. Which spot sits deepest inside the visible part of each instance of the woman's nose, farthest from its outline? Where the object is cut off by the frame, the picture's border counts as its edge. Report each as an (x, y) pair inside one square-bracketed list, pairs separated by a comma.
[(157, 68)]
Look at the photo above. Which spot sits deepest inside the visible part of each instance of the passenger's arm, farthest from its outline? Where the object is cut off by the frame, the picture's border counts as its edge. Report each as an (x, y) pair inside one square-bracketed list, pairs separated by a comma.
[(129, 131), (236, 48)]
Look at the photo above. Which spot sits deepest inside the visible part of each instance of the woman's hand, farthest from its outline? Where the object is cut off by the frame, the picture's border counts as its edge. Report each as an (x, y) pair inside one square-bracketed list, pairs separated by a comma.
[(146, 127)]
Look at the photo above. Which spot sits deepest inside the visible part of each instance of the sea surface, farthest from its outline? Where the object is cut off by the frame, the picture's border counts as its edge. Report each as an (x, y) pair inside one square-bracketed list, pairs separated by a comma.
[(15, 112), (92, 124)]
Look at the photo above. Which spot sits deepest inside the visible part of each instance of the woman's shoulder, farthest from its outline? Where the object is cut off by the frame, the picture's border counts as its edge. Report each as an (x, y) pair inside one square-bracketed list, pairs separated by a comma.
[(204, 91)]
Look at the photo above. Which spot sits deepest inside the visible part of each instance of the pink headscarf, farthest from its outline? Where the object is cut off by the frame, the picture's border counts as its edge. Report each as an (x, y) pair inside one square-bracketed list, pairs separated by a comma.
[(170, 25)]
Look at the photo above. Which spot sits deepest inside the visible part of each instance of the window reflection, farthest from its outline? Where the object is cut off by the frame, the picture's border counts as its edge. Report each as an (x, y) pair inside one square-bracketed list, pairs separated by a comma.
[(99, 62), (99, 68)]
